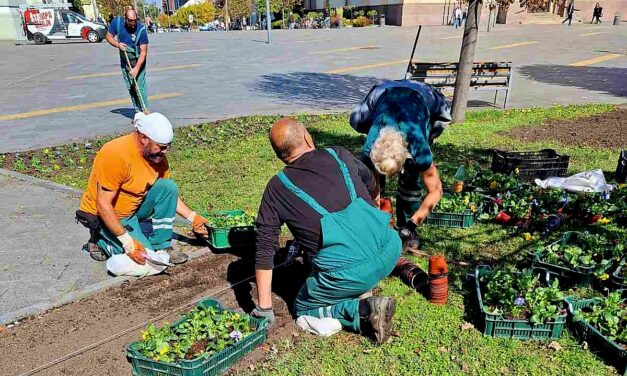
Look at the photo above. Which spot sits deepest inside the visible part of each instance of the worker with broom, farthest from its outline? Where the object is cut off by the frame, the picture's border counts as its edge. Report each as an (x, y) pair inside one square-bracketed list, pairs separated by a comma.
[(401, 119), (325, 198), (132, 42), (130, 202)]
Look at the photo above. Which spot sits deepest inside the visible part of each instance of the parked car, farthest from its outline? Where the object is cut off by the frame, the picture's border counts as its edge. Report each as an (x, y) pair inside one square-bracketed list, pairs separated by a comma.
[(175, 29), (210, 26), (43, 25)]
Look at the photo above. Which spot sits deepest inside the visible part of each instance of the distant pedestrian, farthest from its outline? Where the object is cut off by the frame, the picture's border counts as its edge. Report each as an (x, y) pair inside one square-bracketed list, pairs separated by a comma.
[(290, 20), (465, 15), (597, 13), (570, 11), (457, 22)]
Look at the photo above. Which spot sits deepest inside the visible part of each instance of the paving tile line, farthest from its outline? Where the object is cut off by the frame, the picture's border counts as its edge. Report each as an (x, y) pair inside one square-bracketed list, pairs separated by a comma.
[(66, 298)]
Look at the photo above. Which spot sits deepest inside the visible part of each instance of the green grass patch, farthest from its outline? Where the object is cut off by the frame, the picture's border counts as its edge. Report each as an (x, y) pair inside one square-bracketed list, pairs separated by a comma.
[(228, 164)]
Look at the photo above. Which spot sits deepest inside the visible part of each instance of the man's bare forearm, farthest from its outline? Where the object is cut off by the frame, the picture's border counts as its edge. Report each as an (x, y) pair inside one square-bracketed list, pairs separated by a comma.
[(110, 219), (182, 209), (264, 288), (111, 39)]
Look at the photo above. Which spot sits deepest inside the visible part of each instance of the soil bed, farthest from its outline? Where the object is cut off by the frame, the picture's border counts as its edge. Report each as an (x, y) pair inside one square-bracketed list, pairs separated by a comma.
[(600, 131), (38, 340)]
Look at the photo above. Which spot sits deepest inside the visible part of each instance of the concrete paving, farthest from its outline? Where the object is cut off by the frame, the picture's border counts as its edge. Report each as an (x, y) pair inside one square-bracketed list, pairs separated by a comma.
[(41, 259), (68, 91)]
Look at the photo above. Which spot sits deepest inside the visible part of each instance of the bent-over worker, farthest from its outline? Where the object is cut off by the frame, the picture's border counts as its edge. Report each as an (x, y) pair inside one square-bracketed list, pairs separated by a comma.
[(130, 183), (401, 119), (132, 39), (325, 198)]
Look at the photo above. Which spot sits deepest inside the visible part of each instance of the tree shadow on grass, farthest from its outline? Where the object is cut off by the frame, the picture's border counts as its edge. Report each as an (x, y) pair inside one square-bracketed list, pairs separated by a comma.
[(315, 90), (610, 80)]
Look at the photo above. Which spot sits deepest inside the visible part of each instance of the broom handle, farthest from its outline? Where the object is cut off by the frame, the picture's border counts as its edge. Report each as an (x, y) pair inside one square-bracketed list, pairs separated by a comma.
[(139, 94)]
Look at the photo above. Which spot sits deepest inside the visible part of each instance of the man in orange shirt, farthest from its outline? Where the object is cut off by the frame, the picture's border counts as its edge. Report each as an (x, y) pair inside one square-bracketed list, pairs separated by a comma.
[(130, 183)]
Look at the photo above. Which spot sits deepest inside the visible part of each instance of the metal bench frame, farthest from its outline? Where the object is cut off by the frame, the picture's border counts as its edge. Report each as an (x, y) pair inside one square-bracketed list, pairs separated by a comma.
[(495, 76)]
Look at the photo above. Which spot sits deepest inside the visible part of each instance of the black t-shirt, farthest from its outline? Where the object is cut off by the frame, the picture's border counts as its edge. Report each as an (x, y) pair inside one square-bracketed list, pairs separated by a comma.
[(318, 174)]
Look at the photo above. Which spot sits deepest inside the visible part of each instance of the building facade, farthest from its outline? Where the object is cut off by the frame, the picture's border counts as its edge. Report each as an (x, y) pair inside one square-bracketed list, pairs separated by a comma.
[(440, 12)]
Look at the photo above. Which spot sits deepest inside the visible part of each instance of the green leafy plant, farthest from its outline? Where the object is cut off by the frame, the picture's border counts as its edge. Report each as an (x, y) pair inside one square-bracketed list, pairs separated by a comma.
[(495, 182), (460, 203), (224, 220), (514, 294), (608, 315), (587, 250), (204, 332)]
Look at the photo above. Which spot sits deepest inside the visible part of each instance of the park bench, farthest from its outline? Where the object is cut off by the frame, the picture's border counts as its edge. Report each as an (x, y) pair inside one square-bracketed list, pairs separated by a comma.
[(495, 76)]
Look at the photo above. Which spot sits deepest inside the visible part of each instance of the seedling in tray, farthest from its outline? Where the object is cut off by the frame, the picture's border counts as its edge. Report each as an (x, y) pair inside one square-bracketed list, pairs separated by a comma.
[(204, 333), (608, 315), (460, 203), (521, 295), (227, 219), (589, 251)]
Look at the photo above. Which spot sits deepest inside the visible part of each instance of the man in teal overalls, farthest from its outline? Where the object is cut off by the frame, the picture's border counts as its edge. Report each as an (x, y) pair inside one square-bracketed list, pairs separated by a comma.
[(132, 40), (325, 196), (401, 119)]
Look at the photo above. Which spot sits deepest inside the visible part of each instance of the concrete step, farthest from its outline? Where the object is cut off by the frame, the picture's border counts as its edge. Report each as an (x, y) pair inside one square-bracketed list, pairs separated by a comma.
[(544, 18)]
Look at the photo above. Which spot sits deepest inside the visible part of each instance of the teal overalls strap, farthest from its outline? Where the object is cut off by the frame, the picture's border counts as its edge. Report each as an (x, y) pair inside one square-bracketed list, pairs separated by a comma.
[(358, 250)]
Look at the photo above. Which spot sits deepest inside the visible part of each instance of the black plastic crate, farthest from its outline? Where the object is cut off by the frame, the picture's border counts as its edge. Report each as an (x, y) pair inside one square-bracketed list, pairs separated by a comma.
[(621, 168), (531, 165)]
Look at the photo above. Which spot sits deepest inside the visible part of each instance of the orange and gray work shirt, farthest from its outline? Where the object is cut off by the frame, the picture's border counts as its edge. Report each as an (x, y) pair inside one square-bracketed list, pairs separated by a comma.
[(121, 167)]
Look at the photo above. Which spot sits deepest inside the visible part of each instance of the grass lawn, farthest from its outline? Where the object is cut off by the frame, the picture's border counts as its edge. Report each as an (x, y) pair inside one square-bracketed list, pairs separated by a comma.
[(228, 164)]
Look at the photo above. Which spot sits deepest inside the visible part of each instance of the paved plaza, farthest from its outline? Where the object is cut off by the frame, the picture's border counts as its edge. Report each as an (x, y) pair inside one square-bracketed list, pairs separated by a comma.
[(55, 93)]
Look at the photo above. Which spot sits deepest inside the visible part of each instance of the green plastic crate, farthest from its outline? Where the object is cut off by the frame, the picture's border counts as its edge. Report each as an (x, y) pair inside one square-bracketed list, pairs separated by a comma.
[(458, 220), (215, 365), (231, 237), (497, 326), (617, 280), (601, 345), (582, 276)]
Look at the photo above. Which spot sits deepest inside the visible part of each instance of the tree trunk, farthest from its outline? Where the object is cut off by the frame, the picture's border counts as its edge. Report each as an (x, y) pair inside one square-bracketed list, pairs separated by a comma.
[(501, 17), (466, 59)]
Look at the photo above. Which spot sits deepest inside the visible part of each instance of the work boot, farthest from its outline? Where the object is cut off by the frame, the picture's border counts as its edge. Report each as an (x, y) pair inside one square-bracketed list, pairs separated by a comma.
[(176, 256), (95, 252), (382, 310)]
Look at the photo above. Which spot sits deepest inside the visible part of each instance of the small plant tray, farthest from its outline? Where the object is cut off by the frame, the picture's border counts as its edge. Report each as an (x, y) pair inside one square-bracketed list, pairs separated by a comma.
[(215, 365), (457, 220), (497, 326), (582, 276), (231, 237), (617, 279), (533, 165), (604, 347)]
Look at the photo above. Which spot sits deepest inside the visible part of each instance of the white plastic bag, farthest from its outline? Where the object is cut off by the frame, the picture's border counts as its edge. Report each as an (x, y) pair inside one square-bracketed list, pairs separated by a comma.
[(588, 181), (123, 265), (324, 327)]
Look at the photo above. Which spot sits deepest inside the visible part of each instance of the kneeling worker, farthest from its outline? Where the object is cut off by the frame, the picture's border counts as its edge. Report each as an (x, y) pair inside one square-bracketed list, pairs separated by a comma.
[(401, 119), (323, 196), (130, 183)]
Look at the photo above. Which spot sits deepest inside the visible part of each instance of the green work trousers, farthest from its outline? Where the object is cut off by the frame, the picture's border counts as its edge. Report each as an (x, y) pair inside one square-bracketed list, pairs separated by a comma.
[(130, 86), (159, 206)]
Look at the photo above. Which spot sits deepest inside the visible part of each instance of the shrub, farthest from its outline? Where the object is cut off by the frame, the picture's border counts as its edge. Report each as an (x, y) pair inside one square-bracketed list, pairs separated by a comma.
[(362, 21), (277, 24)]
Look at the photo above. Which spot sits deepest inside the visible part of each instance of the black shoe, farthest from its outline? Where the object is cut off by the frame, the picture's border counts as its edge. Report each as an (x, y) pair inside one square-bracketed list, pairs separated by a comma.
[(176, 256), (95, 252), (382, 310)]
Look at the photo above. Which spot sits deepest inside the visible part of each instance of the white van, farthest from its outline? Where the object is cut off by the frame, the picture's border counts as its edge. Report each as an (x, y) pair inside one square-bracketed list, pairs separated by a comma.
[(43, 25)]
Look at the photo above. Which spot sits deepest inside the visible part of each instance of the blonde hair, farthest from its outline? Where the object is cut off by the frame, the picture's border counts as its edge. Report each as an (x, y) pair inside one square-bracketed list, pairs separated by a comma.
[(389, 152)]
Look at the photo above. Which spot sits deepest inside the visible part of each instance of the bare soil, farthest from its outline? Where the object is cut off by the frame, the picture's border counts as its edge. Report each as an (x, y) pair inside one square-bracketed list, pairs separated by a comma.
[(607, 130), (38, 340)]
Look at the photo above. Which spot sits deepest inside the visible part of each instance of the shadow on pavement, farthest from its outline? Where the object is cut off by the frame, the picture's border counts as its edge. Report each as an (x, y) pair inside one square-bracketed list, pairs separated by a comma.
[(320, 90), (126, 112), (609, 80)]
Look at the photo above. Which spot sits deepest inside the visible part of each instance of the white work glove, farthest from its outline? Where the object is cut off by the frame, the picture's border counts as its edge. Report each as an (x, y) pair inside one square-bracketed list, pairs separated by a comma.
[(134, 249)]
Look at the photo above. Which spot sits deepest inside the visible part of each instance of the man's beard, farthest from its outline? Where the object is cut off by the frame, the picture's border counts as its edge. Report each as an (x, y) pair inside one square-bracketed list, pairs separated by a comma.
[(153, 157)]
